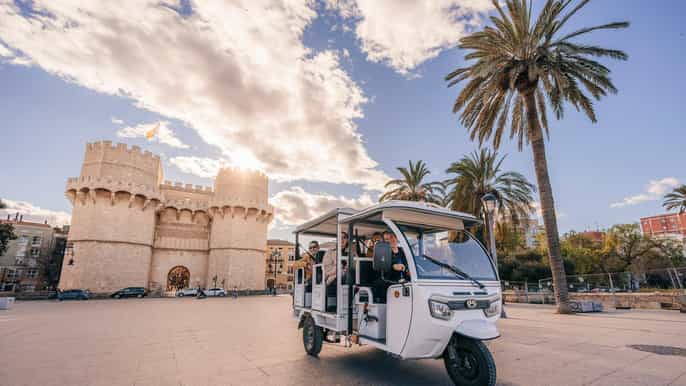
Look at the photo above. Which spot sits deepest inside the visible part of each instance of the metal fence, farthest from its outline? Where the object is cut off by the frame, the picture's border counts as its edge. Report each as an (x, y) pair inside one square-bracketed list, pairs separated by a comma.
[(667, 281), (651, 280)]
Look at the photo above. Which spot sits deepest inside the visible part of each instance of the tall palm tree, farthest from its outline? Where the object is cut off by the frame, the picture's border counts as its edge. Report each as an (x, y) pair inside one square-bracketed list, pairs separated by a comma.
[(411, 186), (676, 199), (481, 172), (521, 64)]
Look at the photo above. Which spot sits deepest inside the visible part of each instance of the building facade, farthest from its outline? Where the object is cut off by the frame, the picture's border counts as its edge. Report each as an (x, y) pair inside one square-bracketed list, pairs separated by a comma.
[(668, 225), (131, 229), (25, 265), (279, 259)]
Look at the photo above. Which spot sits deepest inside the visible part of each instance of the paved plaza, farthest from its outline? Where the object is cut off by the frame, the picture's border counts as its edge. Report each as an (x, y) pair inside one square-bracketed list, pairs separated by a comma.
[(254, 341)]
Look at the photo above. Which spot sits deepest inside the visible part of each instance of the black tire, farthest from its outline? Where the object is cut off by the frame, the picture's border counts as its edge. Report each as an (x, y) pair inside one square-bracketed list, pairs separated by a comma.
[(117, 296), (469, 362), (313, 337), (139, 296), (180, 294)]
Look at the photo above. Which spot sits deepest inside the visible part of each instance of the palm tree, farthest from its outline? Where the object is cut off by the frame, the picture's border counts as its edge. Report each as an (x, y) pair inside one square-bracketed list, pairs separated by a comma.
[(520, 64), (676, 199), (411, 186), (442, 197), (479, 173)]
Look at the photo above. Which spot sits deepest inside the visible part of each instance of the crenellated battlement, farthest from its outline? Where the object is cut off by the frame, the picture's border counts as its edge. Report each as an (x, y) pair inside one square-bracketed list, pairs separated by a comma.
[(101, 147), (189, 188), (121, 162)]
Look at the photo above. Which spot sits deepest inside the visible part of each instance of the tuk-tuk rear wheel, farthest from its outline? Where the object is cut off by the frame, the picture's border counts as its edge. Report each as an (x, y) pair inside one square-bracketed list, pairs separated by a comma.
[(469, 362), (313, 337)]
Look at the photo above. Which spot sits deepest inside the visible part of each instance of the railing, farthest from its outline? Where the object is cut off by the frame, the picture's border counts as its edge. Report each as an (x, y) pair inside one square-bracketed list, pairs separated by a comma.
[(653, 288)]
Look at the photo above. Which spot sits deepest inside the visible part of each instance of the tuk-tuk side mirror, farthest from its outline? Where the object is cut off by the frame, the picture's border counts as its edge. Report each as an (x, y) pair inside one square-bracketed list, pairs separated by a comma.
[(382, 257)]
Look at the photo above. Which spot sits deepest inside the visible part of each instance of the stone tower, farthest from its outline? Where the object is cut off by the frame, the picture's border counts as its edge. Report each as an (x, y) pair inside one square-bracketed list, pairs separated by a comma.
[(130, 229), (240, 215), (113, 218)]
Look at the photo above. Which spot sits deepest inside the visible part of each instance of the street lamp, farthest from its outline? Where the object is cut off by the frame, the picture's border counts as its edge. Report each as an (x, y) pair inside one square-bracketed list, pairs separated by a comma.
[(276, 255), (490, 205)]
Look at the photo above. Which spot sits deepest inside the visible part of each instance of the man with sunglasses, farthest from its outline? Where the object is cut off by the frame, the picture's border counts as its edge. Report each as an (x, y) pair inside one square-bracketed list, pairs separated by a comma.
[(307, 261)]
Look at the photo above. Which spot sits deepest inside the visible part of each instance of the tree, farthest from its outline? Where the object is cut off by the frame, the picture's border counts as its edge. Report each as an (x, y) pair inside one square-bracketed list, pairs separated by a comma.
[(626, 242), (676, 199), (508, 239), (479, 173), (521, 66), (411, 186), (6, 234)]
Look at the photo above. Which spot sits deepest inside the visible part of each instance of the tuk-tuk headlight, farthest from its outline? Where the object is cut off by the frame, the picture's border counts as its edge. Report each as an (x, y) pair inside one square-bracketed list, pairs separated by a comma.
[(440, 310), (493, 308)]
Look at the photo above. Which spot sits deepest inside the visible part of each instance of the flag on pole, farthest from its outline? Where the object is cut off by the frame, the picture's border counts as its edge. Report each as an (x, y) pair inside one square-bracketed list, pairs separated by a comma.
[(150, 134)]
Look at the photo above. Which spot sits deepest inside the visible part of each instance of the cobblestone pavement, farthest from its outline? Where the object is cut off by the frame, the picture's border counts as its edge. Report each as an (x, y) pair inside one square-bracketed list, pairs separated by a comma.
[(254, 341)]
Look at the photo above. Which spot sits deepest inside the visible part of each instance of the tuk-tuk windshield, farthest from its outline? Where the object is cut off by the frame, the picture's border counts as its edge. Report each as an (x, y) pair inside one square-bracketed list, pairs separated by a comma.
[(457, 248)]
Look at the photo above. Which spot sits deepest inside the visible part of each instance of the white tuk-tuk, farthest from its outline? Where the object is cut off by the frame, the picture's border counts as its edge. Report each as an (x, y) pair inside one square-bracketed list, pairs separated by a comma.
[(444, 304)]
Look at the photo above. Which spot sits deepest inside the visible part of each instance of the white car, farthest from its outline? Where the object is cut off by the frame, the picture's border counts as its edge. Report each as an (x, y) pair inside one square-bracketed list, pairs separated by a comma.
[(187, 292), (215, 292)]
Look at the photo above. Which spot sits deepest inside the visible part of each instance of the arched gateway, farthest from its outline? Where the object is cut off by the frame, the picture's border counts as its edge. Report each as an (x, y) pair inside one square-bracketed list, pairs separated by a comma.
[(179, 277)]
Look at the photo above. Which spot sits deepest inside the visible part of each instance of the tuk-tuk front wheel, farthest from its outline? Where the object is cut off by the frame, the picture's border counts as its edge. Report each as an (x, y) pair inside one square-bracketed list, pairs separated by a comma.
[(469, 362), (313, 337)]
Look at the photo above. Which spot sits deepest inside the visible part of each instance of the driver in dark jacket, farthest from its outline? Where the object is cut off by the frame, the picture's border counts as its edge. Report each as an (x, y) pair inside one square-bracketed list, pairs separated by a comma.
[(398, 259)]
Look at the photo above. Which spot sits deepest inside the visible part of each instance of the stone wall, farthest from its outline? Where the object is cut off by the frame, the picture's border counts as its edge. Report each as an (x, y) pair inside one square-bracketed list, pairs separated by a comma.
[(163, 260), (640, 300), (104, 267)]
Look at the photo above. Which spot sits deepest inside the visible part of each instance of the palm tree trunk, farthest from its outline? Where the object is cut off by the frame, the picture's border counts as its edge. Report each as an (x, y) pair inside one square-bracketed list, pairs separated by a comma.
[(547, 204)]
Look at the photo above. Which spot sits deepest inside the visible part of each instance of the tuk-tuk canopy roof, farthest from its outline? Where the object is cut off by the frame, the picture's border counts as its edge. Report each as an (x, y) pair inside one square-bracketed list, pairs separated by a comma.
[(414, 213), (403, 212), (325, 224)]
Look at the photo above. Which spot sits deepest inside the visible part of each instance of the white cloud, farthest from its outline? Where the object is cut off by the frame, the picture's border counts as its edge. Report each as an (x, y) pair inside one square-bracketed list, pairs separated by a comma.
[(405, 33), (653, 192), (236, 71), (199, 166), (295, 205), (117, 121), (34, 213), (154, 132)]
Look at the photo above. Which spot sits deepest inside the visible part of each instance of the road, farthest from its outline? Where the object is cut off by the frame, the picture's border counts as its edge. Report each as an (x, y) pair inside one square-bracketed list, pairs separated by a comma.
[(254, 341)]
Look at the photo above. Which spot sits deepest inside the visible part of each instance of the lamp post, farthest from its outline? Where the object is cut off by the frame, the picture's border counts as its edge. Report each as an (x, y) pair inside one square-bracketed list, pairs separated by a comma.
[(276, 255), (490, 206)]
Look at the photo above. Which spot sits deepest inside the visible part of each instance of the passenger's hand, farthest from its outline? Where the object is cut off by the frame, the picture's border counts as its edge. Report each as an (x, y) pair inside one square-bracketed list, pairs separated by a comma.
[(399, 267)]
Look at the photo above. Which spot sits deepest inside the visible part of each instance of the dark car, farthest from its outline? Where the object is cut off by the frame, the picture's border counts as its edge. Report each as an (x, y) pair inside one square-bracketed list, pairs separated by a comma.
[(74, 294), (130, 292)]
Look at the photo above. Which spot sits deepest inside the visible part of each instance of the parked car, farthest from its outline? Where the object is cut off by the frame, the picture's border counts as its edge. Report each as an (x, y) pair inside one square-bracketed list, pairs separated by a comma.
[(129, 292), (187, 292), (74, 294), (215, 292)]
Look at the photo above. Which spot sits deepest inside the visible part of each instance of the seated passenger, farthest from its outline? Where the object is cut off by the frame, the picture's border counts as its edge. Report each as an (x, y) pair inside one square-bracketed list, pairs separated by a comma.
[(376, 237), (307, 261), (330, 259)]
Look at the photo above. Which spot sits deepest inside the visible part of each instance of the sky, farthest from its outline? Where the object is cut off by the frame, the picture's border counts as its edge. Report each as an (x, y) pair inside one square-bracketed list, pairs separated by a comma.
[(327, 97)]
